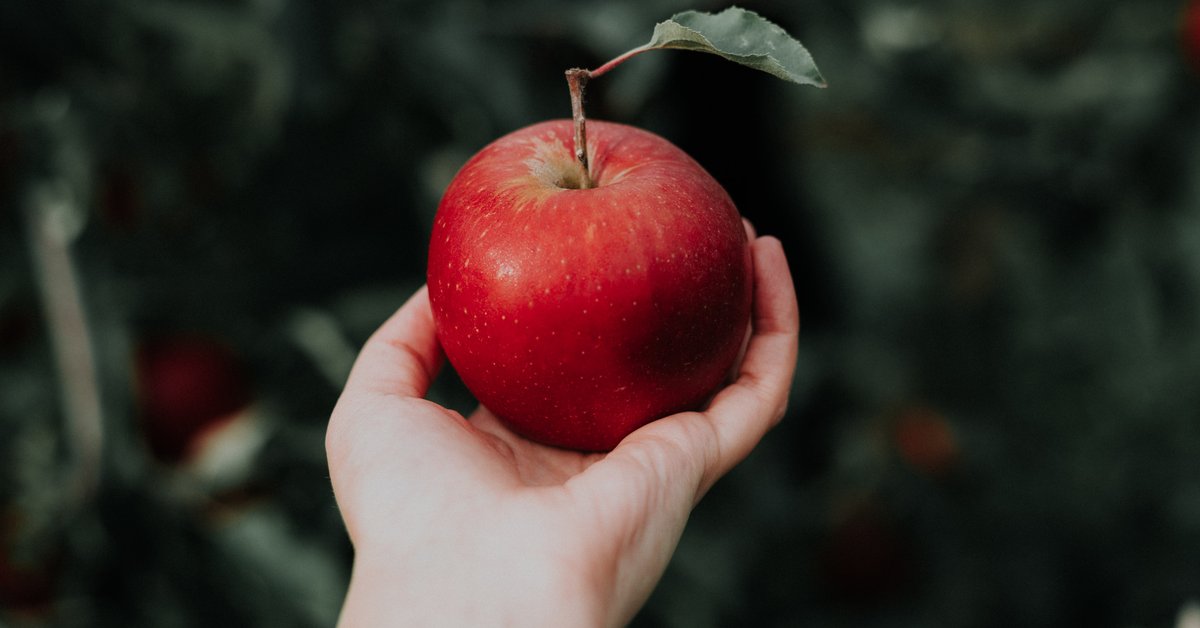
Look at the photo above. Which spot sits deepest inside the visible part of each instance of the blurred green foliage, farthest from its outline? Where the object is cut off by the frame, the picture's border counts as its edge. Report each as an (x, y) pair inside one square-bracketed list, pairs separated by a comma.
[(993, 215)]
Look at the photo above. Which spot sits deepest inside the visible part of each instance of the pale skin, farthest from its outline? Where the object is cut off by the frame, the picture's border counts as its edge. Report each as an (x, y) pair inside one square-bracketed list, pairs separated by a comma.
[(456, 521)]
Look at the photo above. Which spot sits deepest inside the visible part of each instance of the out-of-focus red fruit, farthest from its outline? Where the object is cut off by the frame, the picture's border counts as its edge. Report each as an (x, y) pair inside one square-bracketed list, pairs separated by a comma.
[(1190, 34), (27, 584), (17, 326), (120, 198), (186, 386), (865, 560), (9, 154), (925, 440), (26, 588)]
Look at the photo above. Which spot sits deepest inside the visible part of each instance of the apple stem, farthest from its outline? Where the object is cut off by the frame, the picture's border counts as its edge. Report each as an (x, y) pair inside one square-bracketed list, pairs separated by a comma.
[(618, 61), (577, 79)]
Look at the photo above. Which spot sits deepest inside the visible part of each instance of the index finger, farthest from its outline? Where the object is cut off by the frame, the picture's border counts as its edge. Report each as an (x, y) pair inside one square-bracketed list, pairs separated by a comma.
[(403, 356)]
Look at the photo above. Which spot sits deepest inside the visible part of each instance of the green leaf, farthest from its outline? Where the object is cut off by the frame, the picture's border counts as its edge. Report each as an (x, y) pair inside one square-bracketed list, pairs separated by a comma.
[(741, 36)]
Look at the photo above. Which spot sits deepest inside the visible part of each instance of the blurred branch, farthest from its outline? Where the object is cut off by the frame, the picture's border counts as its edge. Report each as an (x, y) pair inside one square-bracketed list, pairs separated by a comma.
[(55, 218)]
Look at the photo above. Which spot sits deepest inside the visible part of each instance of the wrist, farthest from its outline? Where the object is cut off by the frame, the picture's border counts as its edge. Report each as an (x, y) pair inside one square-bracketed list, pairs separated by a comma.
[(495, 586)]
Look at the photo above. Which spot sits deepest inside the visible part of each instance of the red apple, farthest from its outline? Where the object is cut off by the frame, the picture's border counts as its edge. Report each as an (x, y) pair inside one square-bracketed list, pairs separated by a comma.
[(187, 386), (120, 197), (579, 315), (866, 560), (26, 588), (925, 440), (1191, 34), (28, 576)]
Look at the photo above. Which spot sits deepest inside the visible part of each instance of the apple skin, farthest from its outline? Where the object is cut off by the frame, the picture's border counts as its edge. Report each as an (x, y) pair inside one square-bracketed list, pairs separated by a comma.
[(579, 315)]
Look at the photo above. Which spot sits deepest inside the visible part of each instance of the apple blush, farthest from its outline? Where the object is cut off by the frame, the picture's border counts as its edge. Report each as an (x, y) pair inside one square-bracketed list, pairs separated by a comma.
[(580, 302)]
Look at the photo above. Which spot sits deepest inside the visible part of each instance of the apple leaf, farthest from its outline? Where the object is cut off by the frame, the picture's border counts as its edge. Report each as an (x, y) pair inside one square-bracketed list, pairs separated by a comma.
[(736, 34), (741, 36)]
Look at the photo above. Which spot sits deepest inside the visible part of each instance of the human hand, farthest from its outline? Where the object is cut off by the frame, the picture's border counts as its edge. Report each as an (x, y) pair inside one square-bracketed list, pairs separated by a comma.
[(459, 521)]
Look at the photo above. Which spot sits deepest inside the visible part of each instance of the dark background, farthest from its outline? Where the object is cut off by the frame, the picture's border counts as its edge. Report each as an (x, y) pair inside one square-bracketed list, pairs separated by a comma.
[(992, 214)]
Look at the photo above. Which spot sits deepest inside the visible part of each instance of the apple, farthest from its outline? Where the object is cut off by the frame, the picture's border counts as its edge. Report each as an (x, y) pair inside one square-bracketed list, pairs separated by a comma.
[(18, 326), (26, 588), (925, 440), (583, 292), (28, 574), (866, 559), (1190, 32), (188, 385), (120, 197), (579, 307)]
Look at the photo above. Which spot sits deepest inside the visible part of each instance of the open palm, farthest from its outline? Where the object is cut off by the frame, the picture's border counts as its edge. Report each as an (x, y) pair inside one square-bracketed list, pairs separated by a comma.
[(460, 521)]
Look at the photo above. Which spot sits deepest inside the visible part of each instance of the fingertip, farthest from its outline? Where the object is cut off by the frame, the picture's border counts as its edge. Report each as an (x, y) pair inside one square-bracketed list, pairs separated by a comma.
[(775, 293), (769, 245), (770, 260), (403, 355), (751, 232)]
